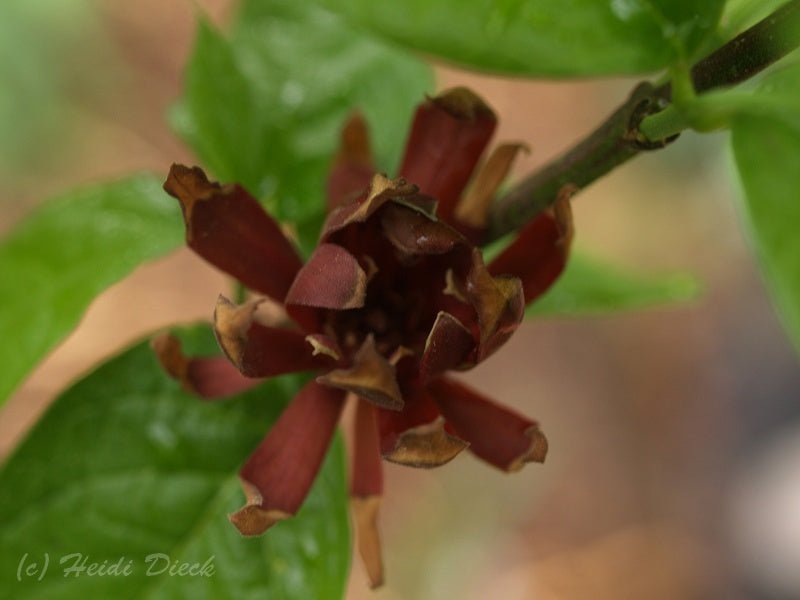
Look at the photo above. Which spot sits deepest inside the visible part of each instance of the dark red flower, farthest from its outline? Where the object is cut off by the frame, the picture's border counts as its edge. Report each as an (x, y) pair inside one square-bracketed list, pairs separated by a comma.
[(395, 294)]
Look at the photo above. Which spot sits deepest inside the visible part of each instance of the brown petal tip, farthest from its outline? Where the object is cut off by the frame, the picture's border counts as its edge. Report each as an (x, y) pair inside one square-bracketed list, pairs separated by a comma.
[(426, 446), (499, 303), (381, 185), (381, 190), (536, 452), (322, 344), (231, 323), (170, 355), (188, 185), (210, 378), (371, 377), (365, 513), (562, 210), (463, 103), (474, 206), (453, 288), (252, 519)]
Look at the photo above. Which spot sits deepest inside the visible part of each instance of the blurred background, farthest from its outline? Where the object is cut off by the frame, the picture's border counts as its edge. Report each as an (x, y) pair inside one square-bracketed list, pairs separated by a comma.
[(674, 465)]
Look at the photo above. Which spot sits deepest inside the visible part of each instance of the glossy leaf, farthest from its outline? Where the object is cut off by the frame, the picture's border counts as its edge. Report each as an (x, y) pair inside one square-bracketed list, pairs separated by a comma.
[(60, 257), (589, 286), (542, 38), (767, 150), (740, 14), (265, 106), (125, 465)]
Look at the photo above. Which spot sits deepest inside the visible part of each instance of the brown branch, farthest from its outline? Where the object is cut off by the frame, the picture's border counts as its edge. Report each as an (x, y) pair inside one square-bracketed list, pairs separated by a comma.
[(617, 140)]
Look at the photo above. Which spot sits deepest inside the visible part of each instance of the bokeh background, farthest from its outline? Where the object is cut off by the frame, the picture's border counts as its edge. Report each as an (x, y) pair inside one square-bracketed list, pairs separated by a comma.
[(674, 465)]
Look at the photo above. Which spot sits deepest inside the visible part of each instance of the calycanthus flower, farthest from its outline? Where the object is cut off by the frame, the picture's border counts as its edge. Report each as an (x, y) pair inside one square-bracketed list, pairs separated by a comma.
[(395, 295)]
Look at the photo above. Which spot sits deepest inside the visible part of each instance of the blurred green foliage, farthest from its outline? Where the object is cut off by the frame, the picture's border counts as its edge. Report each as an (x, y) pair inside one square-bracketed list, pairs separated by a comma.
[(67, 252), (543, 38), (265, 105), (767, 147), (589, 286), (47, 50)]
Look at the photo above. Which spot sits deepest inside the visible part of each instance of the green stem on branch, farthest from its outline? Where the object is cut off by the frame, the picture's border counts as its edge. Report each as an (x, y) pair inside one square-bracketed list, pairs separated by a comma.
[(667, 123), (643, 118)]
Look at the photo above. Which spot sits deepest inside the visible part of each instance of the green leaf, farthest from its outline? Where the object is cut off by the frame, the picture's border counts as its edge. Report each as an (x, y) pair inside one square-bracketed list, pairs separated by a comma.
[(265, 107), (767, 152), (589, 286), (741, 14), (126, 465), (68, 251), (40, 78), (542, 38)]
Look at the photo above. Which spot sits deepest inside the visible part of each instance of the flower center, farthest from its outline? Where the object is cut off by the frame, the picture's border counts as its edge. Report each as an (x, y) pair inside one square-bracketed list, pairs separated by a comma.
[(398, 311)]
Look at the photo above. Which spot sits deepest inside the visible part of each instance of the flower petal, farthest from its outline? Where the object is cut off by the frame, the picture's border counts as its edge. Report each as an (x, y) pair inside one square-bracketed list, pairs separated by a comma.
[(447, 138), (472, 209), (277, 476), (208, 377), (332, 278), (366, 487), (229, 228), (367, 476), (353, 167), (539, 253), (448, 346), (371, 377), (416, 436), (496, 434), (368, 541), (412, 232), (261, 351), (498, 302), (381, 190)]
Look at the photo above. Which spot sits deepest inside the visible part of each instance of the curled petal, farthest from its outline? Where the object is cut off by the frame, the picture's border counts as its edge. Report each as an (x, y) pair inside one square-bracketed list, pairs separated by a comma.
[(277, 476), (229, 228), (332, 278), (366, 487), (417, 436), (448, 346), (539, 253), (499, 304), (207, 377), (472, 209), (496, 434), (426, 446), (412, 233), (381, 190), (258, 350), (353, 167), (447, 138), (371, 377)]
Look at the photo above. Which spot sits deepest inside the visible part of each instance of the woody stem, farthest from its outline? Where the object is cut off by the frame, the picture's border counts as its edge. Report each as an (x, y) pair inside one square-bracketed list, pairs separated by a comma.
[(620, 138)]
